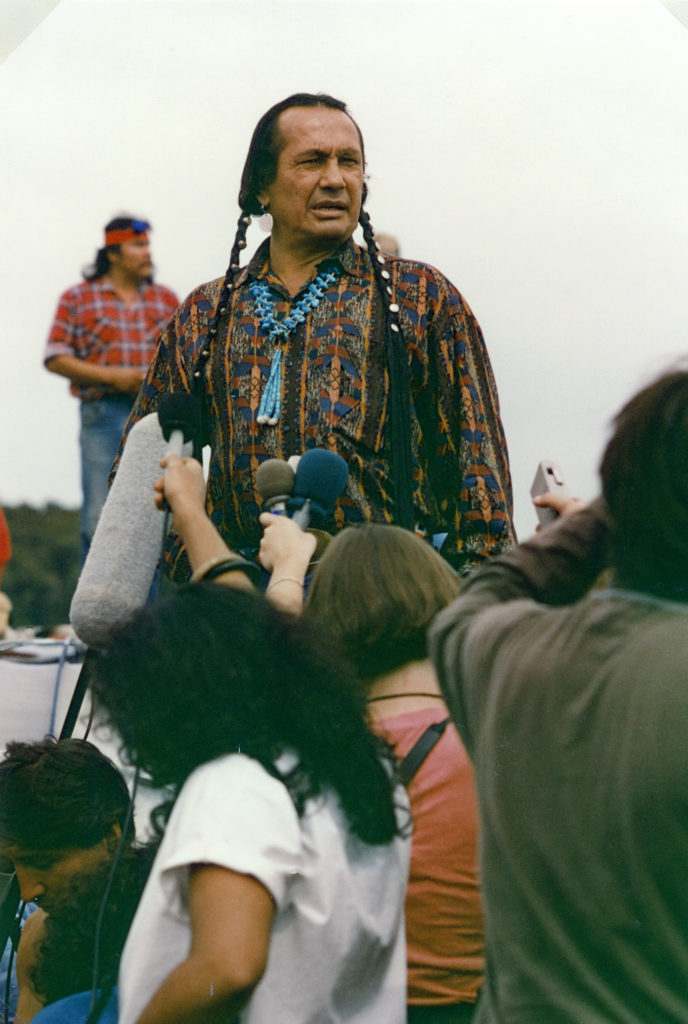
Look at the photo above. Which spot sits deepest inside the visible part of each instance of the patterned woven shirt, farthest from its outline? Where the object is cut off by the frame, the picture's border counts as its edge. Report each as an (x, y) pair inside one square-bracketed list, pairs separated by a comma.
[(94, 324), (335, 396)]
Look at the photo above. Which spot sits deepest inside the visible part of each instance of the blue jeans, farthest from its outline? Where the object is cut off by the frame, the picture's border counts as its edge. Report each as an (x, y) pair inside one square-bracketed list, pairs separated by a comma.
[(75, 1010), (102, 426)]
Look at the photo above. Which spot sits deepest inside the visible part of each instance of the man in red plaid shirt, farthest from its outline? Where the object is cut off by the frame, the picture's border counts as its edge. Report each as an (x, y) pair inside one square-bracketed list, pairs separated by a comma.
[(102, 339)]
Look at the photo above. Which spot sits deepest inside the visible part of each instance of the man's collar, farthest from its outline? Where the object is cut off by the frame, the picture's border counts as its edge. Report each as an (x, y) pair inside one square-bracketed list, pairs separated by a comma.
[(353, 259), (258, 265), (106, 284), (350, 258)]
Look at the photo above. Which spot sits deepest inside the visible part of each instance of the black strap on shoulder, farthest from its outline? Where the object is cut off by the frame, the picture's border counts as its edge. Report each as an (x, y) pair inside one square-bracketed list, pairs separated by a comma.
[(420, 750), (98, 1005), (400, 424)]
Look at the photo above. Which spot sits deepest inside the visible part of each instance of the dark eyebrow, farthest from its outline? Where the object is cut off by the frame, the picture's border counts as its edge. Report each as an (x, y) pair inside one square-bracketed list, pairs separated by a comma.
[(38, 858), (347, 151)]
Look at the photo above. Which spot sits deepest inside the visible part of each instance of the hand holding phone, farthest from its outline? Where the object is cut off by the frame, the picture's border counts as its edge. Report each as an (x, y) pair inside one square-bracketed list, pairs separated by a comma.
[(548, 477)]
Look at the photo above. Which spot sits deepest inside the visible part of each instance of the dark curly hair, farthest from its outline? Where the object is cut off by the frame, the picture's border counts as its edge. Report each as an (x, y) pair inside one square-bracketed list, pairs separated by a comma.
[(64, 964), (212, 670), (644, 474), (59, 794)]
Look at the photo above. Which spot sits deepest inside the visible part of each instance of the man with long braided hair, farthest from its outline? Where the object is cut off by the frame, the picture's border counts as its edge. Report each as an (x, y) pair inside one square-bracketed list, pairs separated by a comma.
[(320, 342)]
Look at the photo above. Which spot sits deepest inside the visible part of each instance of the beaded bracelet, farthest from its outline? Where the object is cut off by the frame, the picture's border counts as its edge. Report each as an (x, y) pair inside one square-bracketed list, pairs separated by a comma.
[(284, 579)]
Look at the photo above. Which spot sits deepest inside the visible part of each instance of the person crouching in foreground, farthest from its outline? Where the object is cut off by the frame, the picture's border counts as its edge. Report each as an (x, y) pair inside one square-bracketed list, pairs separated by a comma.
[(63, 808), (278, 889)]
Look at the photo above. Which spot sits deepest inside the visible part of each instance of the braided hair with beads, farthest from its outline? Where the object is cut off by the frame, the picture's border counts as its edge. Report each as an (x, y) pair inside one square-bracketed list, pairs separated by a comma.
[(259, 171)]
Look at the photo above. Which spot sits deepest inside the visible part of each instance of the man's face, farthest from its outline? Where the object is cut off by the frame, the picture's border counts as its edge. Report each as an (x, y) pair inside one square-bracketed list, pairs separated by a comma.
[(133, 258), (315, 198), (42, 873)]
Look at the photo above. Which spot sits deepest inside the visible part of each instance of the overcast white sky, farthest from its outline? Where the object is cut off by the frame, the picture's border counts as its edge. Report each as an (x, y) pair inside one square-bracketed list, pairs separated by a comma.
[(536, 152)]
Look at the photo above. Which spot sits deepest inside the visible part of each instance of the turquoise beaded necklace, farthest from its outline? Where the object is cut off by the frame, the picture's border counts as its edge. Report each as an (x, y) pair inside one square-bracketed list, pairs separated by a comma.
[(279, 330)]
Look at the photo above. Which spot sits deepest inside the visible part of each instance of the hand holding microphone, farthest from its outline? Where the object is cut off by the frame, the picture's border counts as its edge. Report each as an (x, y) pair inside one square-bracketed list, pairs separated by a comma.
[(181, 488), (307, 494), (288, 546), (285, 549)]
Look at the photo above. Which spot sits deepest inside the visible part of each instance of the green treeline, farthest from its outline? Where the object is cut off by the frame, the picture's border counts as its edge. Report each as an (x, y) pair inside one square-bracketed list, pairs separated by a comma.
[(41, 576)]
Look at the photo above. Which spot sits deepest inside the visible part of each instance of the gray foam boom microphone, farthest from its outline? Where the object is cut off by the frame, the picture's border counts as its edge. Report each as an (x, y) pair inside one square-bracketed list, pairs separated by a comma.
[(119, 569)]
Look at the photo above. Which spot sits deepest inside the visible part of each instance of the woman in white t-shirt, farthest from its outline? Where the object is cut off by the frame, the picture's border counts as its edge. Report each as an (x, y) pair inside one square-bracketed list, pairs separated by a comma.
[(278, 889), (374, 592)]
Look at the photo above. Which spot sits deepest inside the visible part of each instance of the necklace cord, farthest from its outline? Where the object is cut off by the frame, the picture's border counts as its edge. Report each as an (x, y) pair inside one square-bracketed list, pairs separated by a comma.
[(278, 331)]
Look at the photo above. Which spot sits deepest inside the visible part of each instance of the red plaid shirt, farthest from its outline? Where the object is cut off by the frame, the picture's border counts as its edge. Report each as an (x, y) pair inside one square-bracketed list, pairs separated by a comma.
[(94, 324)]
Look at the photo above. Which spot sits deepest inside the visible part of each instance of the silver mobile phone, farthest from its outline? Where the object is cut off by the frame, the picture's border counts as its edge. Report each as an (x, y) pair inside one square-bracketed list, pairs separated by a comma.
[(548, 477)]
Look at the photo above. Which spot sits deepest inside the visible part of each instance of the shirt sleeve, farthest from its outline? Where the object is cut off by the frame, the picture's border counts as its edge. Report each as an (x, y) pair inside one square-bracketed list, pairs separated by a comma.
[(555, 567), (62, 339), (468, 462), (233, 814)]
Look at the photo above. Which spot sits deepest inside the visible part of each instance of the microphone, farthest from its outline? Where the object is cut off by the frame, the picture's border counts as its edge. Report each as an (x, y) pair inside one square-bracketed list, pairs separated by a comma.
[(120, 566), (180, 419), (319, 480), (274, 483)]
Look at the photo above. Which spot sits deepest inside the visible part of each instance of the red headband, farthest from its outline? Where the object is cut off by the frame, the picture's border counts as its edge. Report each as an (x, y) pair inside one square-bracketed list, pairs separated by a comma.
[(124, 235)]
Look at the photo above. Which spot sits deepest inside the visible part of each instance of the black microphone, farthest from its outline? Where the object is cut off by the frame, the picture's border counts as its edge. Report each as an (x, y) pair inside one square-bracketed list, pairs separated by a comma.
[(180, 420), (274, 483), (320, 478)]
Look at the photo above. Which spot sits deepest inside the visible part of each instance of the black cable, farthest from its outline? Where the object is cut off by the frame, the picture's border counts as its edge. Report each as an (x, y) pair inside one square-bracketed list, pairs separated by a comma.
[(155, 586), (14, 942), (74, 709), (97, 1004), (89, 722)]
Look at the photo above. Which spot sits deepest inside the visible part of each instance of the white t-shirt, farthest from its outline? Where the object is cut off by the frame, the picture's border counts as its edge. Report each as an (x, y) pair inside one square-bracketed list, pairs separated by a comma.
[(337, 948)]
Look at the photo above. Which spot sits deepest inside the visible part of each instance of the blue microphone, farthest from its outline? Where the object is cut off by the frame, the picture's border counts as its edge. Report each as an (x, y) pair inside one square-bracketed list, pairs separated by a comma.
[(320, 478)]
